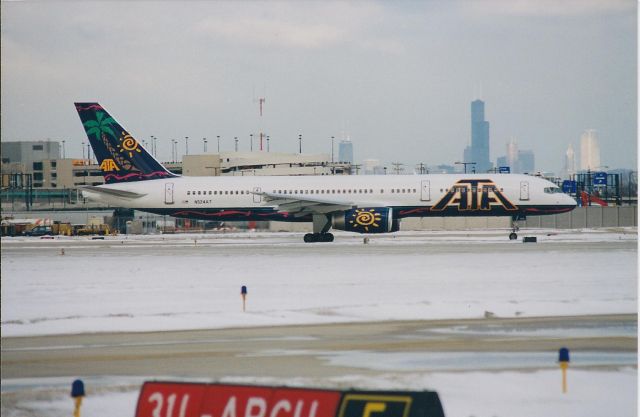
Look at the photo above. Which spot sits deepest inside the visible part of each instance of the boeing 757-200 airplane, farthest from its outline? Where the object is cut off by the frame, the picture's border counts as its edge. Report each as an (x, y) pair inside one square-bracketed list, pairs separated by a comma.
[(362, 204)]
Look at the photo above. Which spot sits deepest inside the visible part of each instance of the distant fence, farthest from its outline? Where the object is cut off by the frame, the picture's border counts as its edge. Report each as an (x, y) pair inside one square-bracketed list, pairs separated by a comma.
[(588, 217), (580, 218)]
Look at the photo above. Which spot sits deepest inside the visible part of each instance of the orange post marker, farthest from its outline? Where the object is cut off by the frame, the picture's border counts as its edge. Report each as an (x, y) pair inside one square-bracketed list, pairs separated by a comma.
[(563, 359), (243, 293), (77, 393)]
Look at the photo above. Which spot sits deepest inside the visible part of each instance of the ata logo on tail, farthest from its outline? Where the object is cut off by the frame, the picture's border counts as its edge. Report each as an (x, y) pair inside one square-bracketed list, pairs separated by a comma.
[(109, 165), (471, 195)]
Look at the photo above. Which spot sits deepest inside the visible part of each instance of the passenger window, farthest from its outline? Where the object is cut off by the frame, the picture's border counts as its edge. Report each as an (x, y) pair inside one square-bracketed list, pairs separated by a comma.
[(381, 191), (242, 192), (415, 191), (188, 192), (392, 191), (209, 192), (226, 192), (370, 191)]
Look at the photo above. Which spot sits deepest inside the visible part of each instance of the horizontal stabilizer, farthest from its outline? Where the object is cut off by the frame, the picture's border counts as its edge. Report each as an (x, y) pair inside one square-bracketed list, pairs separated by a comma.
[(113, 192)]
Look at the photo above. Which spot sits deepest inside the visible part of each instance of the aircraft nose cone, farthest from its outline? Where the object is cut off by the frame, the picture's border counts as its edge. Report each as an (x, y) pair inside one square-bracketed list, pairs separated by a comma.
[(570, 200)]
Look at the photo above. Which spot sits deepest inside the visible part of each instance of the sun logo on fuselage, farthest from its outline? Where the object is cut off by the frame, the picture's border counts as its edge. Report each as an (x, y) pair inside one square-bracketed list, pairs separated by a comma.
[(365, 218), (128, 145)]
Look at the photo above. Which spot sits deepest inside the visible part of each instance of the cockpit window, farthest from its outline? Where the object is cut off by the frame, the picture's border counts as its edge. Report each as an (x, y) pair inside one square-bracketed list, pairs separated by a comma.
[(553, 190)]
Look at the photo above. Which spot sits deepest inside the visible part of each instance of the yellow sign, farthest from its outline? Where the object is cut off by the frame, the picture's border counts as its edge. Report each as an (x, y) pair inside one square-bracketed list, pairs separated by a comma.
[(371, 405), (108, 165)]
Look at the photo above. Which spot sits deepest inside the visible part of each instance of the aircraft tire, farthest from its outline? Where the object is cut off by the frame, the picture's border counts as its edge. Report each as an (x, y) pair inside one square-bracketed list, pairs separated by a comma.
[(513, 236), (309, 238), (327, 237)]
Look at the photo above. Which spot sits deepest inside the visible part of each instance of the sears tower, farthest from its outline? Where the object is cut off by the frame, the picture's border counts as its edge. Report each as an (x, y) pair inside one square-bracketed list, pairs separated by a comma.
[(478, 152)]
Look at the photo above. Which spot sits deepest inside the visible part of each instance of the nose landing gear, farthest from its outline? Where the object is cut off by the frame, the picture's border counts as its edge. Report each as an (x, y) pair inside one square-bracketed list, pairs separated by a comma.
[(514, 227)]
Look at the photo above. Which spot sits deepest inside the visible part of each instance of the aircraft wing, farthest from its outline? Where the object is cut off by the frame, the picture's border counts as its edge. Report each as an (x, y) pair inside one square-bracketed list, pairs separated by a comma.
[(112, 192), (302, 205)]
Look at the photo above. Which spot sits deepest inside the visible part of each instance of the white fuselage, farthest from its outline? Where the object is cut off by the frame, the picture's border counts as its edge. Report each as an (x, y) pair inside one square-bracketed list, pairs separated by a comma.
[(442, 194)]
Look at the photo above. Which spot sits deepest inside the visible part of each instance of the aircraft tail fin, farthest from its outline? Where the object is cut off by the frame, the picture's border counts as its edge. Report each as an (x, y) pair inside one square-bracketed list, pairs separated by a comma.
[(121, 157)]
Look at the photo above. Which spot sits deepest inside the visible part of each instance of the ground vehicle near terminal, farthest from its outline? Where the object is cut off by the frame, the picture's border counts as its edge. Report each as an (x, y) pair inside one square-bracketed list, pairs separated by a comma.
[(39, 231), (362, 204)]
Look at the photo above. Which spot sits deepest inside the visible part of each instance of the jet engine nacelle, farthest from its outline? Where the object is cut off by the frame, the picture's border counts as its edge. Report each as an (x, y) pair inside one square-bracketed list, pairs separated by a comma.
[(366, 220)]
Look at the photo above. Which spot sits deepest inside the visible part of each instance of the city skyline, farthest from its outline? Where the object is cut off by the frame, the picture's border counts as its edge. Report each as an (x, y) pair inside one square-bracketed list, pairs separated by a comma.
[(478, 152), (397, 78)]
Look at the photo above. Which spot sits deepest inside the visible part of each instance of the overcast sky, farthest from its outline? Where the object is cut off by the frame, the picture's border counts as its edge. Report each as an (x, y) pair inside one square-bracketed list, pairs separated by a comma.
[(396, 77)]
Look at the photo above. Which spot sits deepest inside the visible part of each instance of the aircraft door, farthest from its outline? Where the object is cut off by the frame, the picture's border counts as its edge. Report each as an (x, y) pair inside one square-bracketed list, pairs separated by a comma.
[(168, 193), (257, 198), (425, 191), (524, 190)]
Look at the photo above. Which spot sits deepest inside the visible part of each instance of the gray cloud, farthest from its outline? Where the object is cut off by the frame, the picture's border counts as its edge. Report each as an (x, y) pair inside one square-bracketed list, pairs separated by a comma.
[(396, 77)]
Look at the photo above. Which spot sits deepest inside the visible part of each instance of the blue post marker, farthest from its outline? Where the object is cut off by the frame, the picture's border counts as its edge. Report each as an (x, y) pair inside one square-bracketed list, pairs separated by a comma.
[(243, 292), (77, 393), (563, 359)]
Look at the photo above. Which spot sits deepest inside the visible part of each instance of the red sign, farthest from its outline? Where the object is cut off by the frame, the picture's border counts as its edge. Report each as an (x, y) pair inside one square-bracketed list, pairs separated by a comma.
[(159, 399)]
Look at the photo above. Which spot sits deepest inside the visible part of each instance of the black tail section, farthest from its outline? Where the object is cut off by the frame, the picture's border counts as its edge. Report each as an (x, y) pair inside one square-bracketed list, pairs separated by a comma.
[(121, 157)]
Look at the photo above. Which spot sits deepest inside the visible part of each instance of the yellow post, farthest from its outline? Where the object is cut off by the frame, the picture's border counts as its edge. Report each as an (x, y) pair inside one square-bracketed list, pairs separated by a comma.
[(76, 410), (564, 366)]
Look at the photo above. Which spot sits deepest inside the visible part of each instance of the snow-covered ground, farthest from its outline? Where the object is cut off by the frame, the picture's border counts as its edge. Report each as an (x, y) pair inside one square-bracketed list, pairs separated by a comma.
[(176, 282), (591, 393), (193, 281)]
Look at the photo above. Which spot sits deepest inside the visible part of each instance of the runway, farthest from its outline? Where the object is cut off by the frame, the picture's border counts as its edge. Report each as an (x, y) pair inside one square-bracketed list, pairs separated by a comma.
[(314, 350), (469, 314)]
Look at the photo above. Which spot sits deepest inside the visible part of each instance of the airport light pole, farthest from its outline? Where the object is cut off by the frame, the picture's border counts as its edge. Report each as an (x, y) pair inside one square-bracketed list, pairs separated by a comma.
[(300, 142), (333, 166), (186, 145), (465, 165), (174, 149), (204, 144), (83, 150), (63, 153), (332, 139), (218, 143), (268, 143), (236, 139), (251, 141)]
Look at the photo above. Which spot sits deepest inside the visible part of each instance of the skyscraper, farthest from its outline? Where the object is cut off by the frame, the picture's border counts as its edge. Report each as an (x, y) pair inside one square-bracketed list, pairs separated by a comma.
[(569, 161), (526, 162), (589, 151), (478, 152), (345, 151), (513, 156)]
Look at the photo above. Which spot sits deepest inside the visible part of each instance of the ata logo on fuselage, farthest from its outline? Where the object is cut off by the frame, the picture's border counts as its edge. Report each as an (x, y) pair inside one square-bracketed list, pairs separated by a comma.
[(472, 195), (109, 165)]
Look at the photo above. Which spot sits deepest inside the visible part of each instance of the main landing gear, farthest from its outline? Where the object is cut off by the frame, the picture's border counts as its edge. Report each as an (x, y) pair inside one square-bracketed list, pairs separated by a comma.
[(321, 226), (318, 237), (514, 228)]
